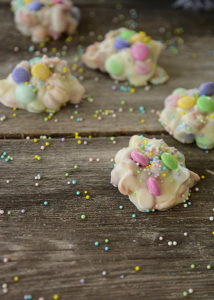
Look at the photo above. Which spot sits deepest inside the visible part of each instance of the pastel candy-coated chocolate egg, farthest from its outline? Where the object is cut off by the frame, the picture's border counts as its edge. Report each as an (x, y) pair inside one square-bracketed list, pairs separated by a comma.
[(24, 93), (205, 104), (34, 6), (40, 71), (169, 161), (138, 37), (207, 89), (127, 34), (172, 100), (180, 91), (28, 1), (140, 158), (186, 102), (75, 12), (153, 186), (140, 51), (121, 43), (114, 66), (20, 75)]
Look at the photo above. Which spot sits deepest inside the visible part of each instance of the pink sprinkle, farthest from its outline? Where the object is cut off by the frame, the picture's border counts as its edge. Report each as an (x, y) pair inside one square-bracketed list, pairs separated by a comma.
[(90, 159)]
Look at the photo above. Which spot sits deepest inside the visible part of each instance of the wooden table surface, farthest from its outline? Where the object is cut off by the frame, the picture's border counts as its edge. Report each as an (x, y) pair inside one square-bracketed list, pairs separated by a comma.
[(46, 249)]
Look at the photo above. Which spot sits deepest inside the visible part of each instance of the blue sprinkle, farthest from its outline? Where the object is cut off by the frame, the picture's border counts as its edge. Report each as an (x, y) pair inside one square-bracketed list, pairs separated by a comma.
[(133, 216), (96, 244)]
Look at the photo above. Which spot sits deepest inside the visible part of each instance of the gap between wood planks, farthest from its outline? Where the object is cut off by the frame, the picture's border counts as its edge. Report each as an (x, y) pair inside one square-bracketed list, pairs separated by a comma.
[(22, 136)]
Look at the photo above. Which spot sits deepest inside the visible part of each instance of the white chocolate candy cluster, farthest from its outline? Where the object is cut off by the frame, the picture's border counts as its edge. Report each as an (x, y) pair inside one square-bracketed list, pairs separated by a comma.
[(41, 19), (189, 115), (127, 55), (152, 174), (39, 84)]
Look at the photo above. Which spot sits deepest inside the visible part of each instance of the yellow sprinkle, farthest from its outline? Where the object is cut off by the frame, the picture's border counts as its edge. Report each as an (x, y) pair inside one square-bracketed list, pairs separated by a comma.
[(213, 232), (132, 90), (86, 192), (80, 70), (175, 156), (164, 174), (16, 278), (202, 177), (35, 140), (95, 116), (89, 136), (14, 108), (36, 156), (137, 268), (26, 82), (41, 45), (142, 121), (212, 116), (87, 197), (47, 144), (55, 297), (14, 115), (183, 113), (79, 142), (53, 50)]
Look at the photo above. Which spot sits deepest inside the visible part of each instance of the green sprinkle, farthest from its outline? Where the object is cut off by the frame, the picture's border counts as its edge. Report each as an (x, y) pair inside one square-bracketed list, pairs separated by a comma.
[(185, 293), (83, 217), (209, 267), (192, 266)]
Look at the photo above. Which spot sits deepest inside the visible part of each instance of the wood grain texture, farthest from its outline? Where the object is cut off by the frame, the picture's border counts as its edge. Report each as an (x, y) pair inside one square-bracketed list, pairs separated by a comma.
[(183, 70), (50, 248)]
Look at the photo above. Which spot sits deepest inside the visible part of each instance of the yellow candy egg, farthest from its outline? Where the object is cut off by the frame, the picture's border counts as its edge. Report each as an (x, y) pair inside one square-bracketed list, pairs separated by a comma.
[(27, 1), (138, 37), (186, 102), (40, 71)]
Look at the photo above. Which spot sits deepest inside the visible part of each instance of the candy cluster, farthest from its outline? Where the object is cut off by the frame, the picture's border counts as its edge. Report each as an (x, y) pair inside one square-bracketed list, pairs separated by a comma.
[(127, 55), (39, 84), (152, 174), (42, 19), (189, 115)]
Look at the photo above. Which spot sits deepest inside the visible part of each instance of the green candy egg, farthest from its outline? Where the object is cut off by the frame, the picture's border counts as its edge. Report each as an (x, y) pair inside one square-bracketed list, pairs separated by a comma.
[(169, 161), (114, 67), (205, 104), (179, 91), (127, 34), (24, 93)]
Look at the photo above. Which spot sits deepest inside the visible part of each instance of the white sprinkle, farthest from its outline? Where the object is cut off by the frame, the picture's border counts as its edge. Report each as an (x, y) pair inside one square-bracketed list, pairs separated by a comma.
[(169, 243)]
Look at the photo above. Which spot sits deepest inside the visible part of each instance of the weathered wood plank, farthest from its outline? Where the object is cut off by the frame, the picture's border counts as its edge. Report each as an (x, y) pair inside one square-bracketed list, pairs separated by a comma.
[(51, 249), (183, 70)]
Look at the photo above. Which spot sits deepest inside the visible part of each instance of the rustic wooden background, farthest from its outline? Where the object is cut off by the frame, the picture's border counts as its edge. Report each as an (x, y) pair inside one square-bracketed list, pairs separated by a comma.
[(50, 248)]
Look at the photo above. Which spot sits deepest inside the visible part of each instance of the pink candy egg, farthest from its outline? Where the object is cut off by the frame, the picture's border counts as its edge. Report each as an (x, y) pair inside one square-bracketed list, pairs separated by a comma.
[(172, 100), (140, 158), (153, 186), (142, 68), (140, 51)]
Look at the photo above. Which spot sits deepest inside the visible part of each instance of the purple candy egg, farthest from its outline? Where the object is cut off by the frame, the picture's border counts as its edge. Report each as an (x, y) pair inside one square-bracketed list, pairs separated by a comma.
[(20, 75), (207, 89), (121, 43), (34, 6)]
